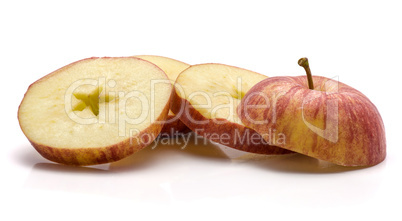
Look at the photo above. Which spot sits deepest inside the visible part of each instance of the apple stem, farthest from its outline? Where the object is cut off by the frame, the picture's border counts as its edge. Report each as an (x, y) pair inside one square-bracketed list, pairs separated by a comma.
[(304, 63)]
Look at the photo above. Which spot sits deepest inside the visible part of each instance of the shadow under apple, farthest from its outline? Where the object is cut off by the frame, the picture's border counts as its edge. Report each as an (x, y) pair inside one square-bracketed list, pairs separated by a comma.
[(197, 148), (296, 163), (166, 150)]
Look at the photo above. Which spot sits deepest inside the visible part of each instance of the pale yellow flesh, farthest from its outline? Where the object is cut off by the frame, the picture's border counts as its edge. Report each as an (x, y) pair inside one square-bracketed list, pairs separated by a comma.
[(99, 115), (170, 66), (215, 90)]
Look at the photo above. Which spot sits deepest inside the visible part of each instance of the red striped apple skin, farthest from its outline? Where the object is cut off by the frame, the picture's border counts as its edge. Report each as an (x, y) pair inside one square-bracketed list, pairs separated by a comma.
[(173, 127), (213, 131), (334, 122)]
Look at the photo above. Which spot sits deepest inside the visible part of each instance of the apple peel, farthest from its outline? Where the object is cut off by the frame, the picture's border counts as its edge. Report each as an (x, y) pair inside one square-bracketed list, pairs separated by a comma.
[(332, 122)]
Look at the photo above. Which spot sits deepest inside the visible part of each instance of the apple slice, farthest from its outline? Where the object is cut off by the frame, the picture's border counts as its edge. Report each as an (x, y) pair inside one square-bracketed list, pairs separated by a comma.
[(96, 110), (318, 116), (206, 97), (173, 125)]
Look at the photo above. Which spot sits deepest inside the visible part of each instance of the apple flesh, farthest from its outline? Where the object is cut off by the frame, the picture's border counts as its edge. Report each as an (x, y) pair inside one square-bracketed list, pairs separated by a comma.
[(332, 122), (173, 126), (206, 97), (96, 110)]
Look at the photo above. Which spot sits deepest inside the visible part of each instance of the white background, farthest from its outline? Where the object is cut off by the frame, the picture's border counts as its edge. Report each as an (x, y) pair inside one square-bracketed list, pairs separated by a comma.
[(358, 41)]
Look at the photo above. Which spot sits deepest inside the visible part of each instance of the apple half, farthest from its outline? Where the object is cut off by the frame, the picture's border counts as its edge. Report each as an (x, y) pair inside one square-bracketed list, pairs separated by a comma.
[(318, 117), (206, 97), (96, 110), (173, 125)]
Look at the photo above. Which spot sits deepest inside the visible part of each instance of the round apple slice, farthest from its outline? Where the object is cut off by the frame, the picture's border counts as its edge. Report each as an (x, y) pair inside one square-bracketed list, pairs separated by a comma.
[(96, 110), (206, 97), (173, 125)]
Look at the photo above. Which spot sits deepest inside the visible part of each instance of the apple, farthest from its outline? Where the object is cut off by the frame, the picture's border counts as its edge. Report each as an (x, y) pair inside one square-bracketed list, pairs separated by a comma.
[(206, 97), (173, 126), (318, 117), (96, 110)]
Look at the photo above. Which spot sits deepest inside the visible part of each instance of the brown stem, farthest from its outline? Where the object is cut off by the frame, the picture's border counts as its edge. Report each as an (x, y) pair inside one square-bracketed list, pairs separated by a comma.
[(304, 63)]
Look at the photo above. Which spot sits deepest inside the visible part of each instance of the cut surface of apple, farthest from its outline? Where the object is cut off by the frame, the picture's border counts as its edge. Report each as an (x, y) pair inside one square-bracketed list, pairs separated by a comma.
[(95, 110), (206, 97), (172, 68)]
